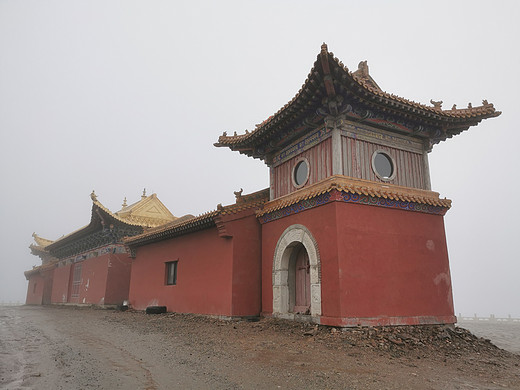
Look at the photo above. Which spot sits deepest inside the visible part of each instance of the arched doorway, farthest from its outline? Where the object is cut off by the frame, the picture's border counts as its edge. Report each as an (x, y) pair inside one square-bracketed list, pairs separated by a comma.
[(302, 282), (296, 274)]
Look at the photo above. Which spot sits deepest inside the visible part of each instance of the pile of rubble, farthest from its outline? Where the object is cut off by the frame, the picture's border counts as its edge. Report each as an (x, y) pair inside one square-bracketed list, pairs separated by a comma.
[(399, 340)]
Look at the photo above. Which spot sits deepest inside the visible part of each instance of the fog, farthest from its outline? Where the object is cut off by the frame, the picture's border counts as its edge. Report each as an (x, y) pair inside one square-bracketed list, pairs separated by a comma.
[(118, 96)]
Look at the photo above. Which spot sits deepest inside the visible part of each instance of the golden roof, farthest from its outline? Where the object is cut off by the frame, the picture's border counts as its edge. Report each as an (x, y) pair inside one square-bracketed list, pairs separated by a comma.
[(149, 212), (40, 241)]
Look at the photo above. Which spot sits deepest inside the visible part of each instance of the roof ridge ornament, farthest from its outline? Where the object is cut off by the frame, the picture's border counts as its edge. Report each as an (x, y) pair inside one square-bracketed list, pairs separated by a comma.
[(324, 48), (93, 196), (144, 194), (238, 194), (436, 104), (327, 77), (362, 69), (363, 73), (124, 203)]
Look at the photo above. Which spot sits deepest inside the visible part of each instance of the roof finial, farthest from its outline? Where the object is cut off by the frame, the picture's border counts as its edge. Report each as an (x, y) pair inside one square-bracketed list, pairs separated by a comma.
[(324, 47), (93, 196), (144, 194), (124, 202)]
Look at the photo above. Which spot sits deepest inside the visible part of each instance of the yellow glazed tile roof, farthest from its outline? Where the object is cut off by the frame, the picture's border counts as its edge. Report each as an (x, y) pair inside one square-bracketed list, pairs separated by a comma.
[(360, 187)]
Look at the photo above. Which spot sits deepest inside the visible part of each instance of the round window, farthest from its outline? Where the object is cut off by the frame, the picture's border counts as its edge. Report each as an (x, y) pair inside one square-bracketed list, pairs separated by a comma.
[(383, 165), (301, 173)]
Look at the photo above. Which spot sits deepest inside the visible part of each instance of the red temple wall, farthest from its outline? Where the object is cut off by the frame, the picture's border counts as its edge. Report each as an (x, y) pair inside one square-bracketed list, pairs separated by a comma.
[(60, 285), (35, 290), (204, 274), (48, 278), (215, 275), (393, 263), (321, 221), (247, 260), (94, 272), (104, 280), (39, 289), (118, 282), (378, 265)]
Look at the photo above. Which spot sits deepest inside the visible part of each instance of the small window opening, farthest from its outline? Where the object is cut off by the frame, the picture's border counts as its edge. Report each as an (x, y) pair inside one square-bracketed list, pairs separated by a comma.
[(383, 166), (171, 273), (301, 173)]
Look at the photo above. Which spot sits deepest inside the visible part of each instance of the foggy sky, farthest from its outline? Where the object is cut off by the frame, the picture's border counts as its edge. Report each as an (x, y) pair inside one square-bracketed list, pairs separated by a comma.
[(118, 96)]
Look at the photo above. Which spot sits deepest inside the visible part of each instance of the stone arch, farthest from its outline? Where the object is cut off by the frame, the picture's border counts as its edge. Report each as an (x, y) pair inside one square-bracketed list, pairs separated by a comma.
[(290, 239)]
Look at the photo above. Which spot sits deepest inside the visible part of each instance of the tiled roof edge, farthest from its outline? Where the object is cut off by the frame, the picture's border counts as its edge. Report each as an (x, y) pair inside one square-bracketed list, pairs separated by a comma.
[(487, 110), (356, 186)]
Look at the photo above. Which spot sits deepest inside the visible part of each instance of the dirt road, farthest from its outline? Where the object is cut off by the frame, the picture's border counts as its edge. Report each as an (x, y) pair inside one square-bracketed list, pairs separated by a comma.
[(71, 348)]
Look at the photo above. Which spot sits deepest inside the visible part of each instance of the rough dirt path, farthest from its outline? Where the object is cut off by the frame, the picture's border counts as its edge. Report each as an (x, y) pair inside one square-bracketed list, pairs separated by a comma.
[(70, 348)]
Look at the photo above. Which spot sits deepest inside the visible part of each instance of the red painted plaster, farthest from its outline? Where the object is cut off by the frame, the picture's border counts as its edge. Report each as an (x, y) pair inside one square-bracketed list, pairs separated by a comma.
[(378, 265), (35, 290), (247, 260), (321, 222), (60, 285), (104, 280), (39, 288), (215, 275), (118, 280), (93, 280), (203, 274), (392, 263)]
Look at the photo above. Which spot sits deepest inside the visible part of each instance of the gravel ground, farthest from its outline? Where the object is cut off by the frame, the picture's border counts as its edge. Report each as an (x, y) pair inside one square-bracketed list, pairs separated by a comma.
[(83, 348)]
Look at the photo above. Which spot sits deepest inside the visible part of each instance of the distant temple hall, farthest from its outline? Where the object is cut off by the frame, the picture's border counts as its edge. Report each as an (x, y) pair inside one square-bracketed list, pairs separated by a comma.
[(91, 265), (348, 233)]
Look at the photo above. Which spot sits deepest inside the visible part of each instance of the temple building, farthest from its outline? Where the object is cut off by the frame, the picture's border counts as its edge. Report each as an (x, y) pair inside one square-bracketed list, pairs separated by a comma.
[(91, 265), (349, 231)]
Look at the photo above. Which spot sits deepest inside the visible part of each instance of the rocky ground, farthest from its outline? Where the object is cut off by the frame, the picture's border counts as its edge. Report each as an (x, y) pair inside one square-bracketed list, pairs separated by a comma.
[(72, 348)]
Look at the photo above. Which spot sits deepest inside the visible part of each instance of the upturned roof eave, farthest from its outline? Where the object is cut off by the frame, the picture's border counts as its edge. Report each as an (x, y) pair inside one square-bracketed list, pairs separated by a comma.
[(201, 222), (365, 92), (93, 225)]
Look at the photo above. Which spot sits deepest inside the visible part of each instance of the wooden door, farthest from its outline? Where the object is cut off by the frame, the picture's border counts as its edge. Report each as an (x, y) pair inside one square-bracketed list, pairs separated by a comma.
[(302, 296)]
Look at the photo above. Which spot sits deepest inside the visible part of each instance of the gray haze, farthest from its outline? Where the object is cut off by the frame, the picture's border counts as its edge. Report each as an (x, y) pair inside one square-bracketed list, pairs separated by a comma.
[(117, 96)]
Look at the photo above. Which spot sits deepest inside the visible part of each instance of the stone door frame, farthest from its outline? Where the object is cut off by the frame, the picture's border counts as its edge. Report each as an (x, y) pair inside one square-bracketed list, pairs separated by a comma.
[(290, 238)]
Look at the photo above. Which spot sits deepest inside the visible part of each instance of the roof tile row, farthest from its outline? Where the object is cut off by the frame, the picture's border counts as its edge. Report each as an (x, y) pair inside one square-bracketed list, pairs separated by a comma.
[(360, 187)]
